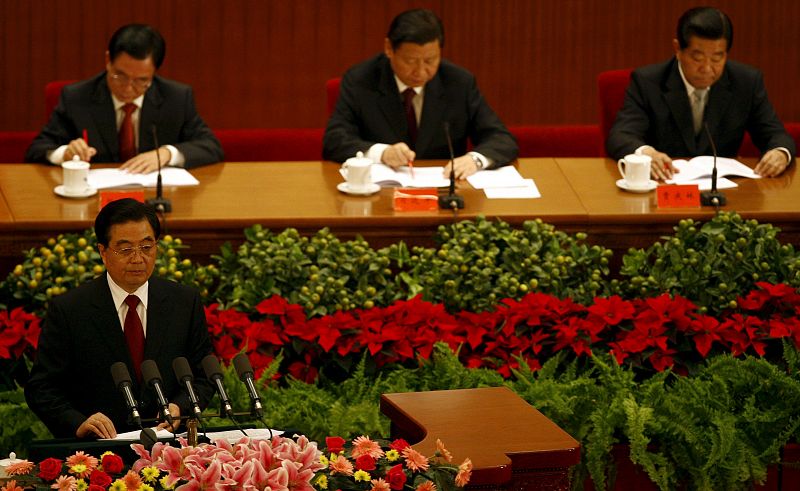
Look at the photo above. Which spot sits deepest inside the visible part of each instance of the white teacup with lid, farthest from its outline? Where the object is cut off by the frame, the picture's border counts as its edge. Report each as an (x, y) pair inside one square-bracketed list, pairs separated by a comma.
[(75, 177), (356, 171)]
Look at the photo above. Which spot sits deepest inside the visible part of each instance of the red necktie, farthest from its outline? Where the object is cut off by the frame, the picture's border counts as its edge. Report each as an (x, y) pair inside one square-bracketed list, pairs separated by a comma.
[(411, 115), (127, 142), (134, 334)]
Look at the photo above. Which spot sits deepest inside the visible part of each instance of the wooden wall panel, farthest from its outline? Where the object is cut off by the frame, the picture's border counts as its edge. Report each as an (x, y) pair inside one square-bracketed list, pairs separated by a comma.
[(263, 63)]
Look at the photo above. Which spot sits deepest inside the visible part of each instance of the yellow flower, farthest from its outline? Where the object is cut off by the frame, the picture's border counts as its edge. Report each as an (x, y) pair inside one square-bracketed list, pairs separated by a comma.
[(324, 460), (118, 485), (322, 481), (150, 474), (78, 469), (362, 476), (164, 481), (145, 487), (81, 485), (392, 455)]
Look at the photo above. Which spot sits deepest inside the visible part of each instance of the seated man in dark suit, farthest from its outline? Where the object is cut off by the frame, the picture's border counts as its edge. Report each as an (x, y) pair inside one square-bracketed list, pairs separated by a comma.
[(122, 316), (393, 107), (117, 110), (667, 105)]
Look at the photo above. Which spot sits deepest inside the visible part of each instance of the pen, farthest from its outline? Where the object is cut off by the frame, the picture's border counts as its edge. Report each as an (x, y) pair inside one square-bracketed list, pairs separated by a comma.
[(85, 136), (411, 167)]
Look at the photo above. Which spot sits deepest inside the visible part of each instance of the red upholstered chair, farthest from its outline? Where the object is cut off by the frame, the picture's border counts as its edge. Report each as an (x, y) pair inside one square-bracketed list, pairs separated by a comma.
[(271, 144), (52, 91), (611, 87), (332, 91), (13, 145), (558, 141)]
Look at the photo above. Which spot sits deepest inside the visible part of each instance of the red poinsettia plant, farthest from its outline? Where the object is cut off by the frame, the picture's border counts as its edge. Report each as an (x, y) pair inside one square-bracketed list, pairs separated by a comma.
[(79, 471), (376, 465)]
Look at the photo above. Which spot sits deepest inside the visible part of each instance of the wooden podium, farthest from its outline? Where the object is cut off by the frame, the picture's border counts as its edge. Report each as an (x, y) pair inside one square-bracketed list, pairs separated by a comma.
[(512, 445)]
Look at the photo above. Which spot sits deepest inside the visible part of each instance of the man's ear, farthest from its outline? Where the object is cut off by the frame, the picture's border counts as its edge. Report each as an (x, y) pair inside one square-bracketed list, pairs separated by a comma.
[(387, 48), (676, 46)]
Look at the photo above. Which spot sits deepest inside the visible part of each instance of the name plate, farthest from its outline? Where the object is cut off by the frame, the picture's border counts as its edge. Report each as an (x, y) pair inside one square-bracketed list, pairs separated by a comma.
[(678, 196)]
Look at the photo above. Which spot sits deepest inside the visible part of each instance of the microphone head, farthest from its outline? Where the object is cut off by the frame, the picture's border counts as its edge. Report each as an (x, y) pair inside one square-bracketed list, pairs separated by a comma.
[(242, 365), (148, 438), (120, 374), (183, 371), (150, 372), (211, 367)]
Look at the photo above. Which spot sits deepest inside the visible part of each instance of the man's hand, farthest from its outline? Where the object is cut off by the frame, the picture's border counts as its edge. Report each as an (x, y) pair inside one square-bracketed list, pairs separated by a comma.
[(661, 167), (175, 412), (146, 162), (80, 148), (772, 163), (397, 155), (97, 424), (464, 165)]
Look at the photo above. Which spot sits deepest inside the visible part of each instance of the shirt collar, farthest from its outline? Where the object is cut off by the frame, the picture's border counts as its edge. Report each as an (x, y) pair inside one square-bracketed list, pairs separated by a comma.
[(118, 294), (401, 87), (118, 103)]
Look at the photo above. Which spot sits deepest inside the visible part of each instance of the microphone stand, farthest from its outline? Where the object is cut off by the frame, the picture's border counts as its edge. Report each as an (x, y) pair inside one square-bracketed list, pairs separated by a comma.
[(451, 201), (160, 203), (713, 197)]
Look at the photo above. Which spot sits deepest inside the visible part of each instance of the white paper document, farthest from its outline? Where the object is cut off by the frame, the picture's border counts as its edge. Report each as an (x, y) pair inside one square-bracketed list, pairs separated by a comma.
[(504, 177), (230, 435), (701, 167), (423, 177), (115, 178), (526, 190), (704, 184)]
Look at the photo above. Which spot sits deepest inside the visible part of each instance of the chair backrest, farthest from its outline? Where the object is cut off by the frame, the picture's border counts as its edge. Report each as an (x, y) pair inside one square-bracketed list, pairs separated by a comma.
[(52, 92), (332, 92), (611, 87)]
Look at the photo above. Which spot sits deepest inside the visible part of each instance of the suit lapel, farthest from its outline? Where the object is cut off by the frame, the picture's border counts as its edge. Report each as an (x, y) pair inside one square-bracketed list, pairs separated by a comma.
[(432, 111), (678, 102), (150, 116), (390, 103), (157, 305), (102, 111)]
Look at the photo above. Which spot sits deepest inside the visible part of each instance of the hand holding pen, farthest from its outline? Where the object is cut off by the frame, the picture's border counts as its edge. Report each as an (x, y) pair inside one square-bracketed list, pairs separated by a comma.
[(81, 148)]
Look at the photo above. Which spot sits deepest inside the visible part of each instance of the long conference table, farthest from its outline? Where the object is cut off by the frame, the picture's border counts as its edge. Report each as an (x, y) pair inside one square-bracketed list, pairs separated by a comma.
[(578, 194)]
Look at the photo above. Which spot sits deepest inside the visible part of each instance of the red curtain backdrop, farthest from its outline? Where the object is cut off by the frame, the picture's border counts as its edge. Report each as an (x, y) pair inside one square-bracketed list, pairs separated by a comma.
[(263, 63)]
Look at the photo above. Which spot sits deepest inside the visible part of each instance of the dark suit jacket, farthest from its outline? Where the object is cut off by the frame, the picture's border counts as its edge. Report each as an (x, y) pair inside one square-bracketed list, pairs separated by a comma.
[(370, 110), (88, 105), (81, 339), (657, 112)]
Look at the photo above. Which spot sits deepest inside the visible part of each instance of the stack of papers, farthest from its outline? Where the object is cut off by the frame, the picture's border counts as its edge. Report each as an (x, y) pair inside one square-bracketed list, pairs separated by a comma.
[(232, 436), (504, 183), (698, 171), (421, 177), (115, 178)]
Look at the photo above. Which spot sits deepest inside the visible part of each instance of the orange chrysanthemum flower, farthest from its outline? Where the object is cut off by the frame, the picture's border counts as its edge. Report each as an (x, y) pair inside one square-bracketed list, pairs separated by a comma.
[(132, 480), (415, 460), (464, 473), (12, 486), (364, 446), (443, 451), (379, 485), (65, 483), (19, 468), (341, 465), (82, 458), (426, 486)]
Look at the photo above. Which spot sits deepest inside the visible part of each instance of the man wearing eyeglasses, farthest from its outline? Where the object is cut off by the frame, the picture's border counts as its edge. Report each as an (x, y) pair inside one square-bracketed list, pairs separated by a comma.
[(122, 316), (110, 117)]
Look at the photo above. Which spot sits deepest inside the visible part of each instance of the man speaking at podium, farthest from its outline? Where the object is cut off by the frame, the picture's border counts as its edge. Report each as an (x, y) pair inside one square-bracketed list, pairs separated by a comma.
[(122, 316), (111, 116), (393, 107), (667, 105)]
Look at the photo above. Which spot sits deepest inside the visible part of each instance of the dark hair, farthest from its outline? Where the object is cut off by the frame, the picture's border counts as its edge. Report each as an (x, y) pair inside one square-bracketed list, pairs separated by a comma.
[(705, 23), (418, 26), (123, 211), (139, 41)]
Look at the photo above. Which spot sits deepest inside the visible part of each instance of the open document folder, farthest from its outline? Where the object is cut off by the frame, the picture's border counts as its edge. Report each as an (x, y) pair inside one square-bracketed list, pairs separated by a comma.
[(698, 171), (421, 177), (115, 178)]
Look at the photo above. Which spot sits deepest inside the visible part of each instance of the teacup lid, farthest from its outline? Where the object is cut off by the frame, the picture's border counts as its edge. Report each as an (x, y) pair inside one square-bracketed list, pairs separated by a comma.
[(359, 159), (12, 459), (77, 160)]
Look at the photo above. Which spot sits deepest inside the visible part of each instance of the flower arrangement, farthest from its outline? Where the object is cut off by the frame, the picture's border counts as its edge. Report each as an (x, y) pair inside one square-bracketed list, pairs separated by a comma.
[(79, 472), (369, 465)]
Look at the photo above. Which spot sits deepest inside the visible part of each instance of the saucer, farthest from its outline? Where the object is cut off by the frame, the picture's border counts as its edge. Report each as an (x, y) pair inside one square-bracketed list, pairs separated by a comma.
[(370, 189), (61, 191), (651, 185)]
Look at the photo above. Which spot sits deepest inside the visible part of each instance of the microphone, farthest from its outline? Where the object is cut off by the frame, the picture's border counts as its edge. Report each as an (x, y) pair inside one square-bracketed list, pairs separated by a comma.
[(713, 197), (451, 201), (159, 202), (152, 376), (214, 373), (245, 372), (183, 372), (122, 379)]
